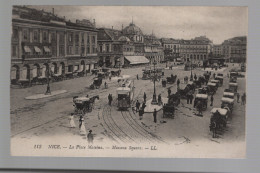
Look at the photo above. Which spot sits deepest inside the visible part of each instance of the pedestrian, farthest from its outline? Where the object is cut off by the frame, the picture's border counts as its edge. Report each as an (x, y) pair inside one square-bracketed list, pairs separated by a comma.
[(211, 100), (72, 123), (105, 84), (109, 77), (143, 106), (159, 99), (137, 106), (137, 77), (141, 114), (82, 129), (195, 77), (191, 98), (144, 97), (214, 75), (238, 97), (90, 137), (178, 83), (169, 92), (81, 119), (110, 98), (154, 116)]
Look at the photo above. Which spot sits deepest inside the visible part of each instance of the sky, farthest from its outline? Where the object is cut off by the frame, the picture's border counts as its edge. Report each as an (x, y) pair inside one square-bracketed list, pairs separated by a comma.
[(178, 22)]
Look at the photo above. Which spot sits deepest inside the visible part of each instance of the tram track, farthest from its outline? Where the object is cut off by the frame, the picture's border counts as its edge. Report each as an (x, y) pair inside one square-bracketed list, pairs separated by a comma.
[(113, 127)]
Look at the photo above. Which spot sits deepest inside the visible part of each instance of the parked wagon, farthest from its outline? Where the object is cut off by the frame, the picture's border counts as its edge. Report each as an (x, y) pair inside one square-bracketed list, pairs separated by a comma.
[(212, 88), (95, 71), (220, 79), (233, 87), (218, 119), (164, 82), (171, 79), (169, 107), (203, 99), (229, 95), (227, 103), (115, 72)]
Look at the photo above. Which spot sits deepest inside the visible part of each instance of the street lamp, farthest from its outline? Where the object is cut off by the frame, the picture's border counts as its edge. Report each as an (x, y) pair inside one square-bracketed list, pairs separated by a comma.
[(191, 76), (154, 101), (48, 91)]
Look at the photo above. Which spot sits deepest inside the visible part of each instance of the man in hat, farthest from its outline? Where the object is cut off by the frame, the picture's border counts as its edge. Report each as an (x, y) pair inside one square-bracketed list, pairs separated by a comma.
[(90, 137), (137, 106)]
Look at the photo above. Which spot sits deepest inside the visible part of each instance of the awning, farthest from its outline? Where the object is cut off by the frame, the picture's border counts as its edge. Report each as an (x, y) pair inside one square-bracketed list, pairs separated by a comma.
[(38, 50), (27, 49), (46, 49), (137, 60)]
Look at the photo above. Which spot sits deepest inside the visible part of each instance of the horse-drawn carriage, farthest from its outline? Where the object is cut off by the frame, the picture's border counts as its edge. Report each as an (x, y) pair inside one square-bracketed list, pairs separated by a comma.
[(202, 99), (217, 82), (227, 103), (201, 80), (80, 73), (171, 79), (220, 79), (115, 72), (189, 88), (218, 119), (203, 90), (233, 87), (169, 108), (125, 95), (84, 104), (57, 77), (96, 83), (229, 95), (212, 88)]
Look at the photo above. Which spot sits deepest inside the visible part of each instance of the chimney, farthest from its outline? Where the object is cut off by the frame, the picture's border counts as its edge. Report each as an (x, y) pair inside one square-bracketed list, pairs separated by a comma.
[(112, 27), (53, 11), (122, 27)]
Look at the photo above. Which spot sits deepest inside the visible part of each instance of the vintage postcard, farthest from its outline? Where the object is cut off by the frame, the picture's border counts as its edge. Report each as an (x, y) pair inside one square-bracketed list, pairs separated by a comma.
[(128, 81)]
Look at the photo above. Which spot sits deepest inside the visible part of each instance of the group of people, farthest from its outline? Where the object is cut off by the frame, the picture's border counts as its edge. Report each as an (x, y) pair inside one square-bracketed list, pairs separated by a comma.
[(110, 99), (139, 108), (82, 128)]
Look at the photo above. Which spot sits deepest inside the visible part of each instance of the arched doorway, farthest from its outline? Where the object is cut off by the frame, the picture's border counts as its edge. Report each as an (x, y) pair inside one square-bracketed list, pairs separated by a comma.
[(26, 72), (15, 72), (45, 69), (117, 61), (107, 61), (54, 68), (100, 61), (82, 65), (62, 68), (36, 70)]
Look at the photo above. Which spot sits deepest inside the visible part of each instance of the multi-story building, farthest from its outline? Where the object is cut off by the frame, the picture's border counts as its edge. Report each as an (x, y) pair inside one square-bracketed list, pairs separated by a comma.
[(153, 49), (217, 50), (195, 50), (235, 49), (42, 40), (171, 48)]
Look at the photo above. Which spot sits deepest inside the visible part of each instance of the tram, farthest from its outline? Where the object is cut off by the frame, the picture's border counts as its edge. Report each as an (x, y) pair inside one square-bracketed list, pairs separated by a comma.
[(125, 95)]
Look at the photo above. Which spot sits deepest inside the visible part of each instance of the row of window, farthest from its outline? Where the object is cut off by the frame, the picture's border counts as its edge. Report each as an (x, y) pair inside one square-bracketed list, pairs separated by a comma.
[(81, 50), (45, 36)]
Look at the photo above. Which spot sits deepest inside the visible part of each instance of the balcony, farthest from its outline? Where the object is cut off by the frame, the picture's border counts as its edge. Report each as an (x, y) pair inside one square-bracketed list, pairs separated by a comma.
[(26, 57)]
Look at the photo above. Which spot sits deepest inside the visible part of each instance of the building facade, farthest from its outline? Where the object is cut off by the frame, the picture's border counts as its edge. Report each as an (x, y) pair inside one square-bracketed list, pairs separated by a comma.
[(235, 49), (217, 50), (153, 49), (42, 40), (171, 48)]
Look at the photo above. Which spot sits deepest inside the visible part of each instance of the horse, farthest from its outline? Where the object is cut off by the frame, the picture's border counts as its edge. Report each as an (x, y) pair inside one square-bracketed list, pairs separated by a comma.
[(92, 102)]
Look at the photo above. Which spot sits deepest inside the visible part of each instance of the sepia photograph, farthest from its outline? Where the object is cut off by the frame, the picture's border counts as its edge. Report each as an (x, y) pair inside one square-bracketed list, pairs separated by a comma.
[(128, 81)]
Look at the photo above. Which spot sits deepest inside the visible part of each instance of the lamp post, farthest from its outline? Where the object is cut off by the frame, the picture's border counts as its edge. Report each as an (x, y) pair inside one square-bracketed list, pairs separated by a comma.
[(48, 91), (191, 76), (154, 101)]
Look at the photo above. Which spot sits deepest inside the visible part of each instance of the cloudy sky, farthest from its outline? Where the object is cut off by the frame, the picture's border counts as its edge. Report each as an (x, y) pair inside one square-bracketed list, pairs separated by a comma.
[(217, 23)]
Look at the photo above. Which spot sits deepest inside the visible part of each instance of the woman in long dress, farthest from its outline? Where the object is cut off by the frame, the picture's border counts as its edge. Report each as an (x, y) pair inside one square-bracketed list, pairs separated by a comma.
[(82, 129), (72, 123)]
